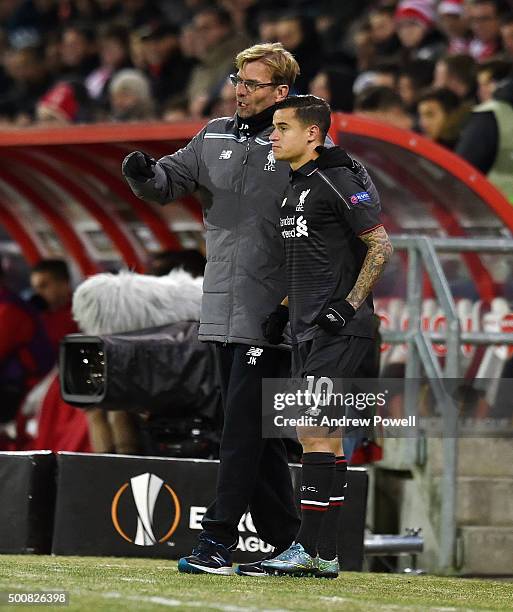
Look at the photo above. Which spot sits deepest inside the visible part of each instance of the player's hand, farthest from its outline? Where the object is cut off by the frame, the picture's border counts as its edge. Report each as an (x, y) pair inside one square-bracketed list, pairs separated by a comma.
[(332, 320), (274, 325), (139, 166)]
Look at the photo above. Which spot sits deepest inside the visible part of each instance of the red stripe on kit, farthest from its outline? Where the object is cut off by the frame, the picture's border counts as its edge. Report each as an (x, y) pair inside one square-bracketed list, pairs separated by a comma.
[(318, 508)]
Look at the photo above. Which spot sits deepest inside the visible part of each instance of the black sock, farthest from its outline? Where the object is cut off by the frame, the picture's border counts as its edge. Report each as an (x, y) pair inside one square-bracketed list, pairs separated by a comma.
[(330, 526), (316, 482)]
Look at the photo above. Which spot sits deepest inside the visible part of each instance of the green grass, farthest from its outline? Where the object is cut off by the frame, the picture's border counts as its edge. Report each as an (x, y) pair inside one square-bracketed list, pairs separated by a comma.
[(98, 584)]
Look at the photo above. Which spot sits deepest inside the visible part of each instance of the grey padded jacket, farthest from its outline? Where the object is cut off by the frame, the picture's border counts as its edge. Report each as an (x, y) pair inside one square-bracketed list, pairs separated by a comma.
[(240, 186)]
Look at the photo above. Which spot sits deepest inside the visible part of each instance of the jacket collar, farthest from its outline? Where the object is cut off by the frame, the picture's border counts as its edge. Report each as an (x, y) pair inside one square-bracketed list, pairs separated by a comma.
[(305, 169), (250, 126)]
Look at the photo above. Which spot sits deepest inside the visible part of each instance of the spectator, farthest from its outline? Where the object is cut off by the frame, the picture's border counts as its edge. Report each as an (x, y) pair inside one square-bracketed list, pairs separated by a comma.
[(452, 23), (189, 42), (439, 119), (244, 14), (66, 102), (32, 18), (267, 31), (136, 13), (175, 111), (218, 44), (52, 55), (29, 81), (51, 283), (25, 351), (297, 34), (413, 78), (491, 126), (71, 11), (489, 76), (384, 75), (507, 34), (485, 26), (383, 32), (415, 21), (78, 51), (168, 69), (457, 73), (109, 11), (383, 104), (225, 104), (114, 50), (334, 85), (130, 96), (364, 48)]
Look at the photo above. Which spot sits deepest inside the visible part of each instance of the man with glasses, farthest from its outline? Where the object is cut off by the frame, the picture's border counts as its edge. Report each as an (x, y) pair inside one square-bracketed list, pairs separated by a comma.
[(231, 167)]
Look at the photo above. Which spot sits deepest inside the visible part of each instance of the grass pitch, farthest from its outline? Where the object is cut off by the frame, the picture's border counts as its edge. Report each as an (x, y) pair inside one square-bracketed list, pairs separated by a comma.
[(98, 584)]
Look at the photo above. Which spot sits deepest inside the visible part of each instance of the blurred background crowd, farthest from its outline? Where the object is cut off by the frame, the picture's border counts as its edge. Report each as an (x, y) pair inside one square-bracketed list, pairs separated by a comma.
[(420, 64)]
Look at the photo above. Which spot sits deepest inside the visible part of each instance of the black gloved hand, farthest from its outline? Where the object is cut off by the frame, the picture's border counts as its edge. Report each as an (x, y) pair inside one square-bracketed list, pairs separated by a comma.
[(332, 320), (274, 324), (139, 166)]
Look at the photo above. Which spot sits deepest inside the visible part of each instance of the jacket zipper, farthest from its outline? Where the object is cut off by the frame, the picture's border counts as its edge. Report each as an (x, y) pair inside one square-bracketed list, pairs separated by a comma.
[(244, 164)]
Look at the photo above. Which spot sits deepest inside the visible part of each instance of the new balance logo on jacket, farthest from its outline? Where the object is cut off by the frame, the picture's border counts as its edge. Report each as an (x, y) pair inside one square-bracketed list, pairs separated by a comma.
[(253, 353)]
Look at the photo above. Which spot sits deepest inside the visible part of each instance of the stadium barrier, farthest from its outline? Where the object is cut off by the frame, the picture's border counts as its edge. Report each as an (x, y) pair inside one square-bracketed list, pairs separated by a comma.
[(129, 506), (424, 356), (27, 491)]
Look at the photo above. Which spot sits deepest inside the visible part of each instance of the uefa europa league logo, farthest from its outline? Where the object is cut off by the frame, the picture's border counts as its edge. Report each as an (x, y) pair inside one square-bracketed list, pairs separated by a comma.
[(145, 491)]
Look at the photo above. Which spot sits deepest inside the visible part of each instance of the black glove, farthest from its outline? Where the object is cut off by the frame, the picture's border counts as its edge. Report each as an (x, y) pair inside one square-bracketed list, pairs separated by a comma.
[(332, 320), (274, 325), (139, 166)]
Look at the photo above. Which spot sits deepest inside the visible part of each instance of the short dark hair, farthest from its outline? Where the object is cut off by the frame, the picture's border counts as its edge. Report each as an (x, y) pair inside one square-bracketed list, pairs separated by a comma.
[(58, 268), (501, 6), (386, 67), (378, 97), (222, 15), (310, 110), (420, 71), (497, 67), (447, 99), (84, 29), (462, 67), (382, 10)]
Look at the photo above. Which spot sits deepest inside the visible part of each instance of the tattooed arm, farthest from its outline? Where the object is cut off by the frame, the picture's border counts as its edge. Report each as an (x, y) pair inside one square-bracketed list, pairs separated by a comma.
[(379, 252)]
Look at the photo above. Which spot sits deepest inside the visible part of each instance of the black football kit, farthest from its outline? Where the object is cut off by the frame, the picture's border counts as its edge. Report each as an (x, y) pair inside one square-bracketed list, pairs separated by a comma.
[(329, 204)]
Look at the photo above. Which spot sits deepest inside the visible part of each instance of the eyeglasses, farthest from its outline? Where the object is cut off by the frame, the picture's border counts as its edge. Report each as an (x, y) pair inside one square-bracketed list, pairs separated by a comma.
[(251, 86)]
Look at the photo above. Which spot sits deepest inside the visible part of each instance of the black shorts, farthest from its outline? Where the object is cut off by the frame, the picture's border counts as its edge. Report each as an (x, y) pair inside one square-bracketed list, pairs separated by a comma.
[(334, 357)]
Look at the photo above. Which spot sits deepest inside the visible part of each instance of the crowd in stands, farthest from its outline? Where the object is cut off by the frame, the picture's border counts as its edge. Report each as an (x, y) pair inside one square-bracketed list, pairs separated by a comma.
[(422, 64), (441, 67), (434, 66)]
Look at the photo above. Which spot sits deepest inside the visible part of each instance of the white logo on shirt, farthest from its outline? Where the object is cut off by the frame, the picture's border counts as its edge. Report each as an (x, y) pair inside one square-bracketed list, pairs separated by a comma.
[(301, 206), (284, 202), (301, 227), (270, 165), (302, 197), (253, 353), (225, 154)]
